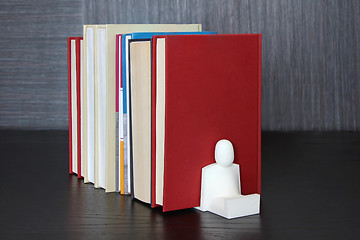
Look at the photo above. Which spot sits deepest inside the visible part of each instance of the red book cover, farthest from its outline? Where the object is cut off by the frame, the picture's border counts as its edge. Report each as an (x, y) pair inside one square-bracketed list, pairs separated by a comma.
[(78, 103), (212, 92), (78, 95), (69, 97)]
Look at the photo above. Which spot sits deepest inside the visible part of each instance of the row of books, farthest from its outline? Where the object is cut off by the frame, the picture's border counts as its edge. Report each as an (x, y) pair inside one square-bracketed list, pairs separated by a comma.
[(148, 102)]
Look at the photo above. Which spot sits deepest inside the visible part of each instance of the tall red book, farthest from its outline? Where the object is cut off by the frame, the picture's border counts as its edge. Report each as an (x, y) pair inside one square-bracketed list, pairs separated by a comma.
[(204, 88), (74, 96)]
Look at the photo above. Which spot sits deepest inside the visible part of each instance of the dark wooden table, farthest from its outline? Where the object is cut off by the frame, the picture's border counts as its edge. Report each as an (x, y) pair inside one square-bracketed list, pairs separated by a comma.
[(310, 190)]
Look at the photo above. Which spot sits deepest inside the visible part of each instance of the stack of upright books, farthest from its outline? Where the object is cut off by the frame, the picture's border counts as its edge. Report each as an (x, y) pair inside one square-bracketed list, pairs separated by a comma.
[(148, 102)]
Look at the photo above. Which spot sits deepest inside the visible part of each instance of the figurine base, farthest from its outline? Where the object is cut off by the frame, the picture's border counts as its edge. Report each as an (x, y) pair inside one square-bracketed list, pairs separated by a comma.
[(234, 207)]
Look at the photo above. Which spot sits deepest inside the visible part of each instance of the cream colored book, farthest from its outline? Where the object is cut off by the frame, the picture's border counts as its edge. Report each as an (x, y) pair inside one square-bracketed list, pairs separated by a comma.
[(100, 107), (87, 103), (140, 71), (112, 164)]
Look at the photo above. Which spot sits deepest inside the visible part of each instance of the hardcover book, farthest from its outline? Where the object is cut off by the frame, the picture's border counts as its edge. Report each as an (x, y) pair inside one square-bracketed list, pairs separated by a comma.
[(88, 103), (100, 107), (119, 115), (74, 96), (205, 88)]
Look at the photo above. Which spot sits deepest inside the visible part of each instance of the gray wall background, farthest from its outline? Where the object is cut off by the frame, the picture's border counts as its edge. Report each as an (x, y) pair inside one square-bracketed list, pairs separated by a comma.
[(310, 64)]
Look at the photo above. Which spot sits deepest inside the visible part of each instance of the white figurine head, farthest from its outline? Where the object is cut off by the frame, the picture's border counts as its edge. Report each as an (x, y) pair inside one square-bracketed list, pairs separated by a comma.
[(224, 153)]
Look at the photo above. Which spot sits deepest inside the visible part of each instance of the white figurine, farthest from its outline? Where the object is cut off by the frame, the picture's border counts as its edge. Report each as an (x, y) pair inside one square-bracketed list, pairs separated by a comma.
[(221, 188)]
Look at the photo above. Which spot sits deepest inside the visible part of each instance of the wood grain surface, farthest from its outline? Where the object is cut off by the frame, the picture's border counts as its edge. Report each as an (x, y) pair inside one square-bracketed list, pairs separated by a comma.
[(311, 54), (309, 191)]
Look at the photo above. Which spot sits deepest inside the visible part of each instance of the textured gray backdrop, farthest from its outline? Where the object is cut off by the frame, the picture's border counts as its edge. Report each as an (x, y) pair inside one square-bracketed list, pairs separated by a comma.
[(311, 54)]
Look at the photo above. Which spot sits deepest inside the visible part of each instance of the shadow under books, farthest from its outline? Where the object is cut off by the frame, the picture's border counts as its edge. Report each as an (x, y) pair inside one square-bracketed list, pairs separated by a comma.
[(118, 213)]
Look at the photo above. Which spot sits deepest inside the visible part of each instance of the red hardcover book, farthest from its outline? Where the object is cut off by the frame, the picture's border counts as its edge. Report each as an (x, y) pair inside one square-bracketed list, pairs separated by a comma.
[(74, 86), (69, 97), (211, 88)]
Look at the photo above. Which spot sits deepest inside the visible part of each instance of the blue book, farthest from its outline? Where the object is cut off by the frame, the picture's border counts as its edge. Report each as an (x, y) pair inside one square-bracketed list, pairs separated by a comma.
[(149, 35)]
